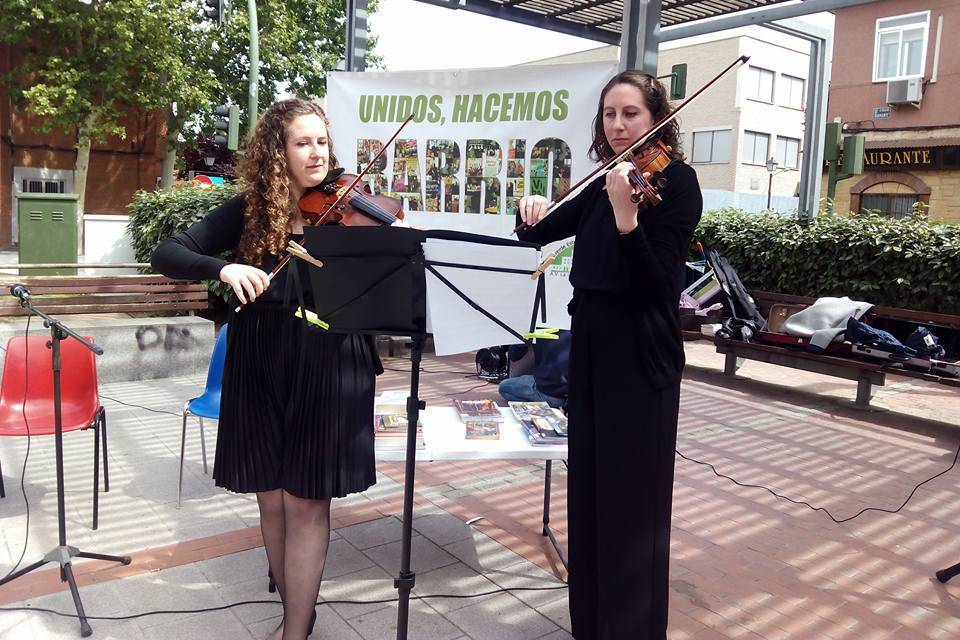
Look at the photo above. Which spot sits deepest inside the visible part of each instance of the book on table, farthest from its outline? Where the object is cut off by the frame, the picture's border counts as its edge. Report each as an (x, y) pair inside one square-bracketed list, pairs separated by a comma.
[(482, 430), (556, 421), (390, 432), (541, 423), (478, 410)]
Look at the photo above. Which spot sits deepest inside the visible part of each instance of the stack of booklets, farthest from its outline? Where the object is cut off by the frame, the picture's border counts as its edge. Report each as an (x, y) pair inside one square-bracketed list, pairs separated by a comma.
[(541, 423), (481, 418), (390, 422)]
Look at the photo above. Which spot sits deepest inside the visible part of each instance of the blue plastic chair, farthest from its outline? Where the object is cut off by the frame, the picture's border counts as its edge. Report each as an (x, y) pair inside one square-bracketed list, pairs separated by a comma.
[(206, 405)]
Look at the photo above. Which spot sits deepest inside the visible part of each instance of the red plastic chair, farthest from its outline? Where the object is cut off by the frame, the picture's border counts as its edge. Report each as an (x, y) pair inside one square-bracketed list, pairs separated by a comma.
[(28, 390)]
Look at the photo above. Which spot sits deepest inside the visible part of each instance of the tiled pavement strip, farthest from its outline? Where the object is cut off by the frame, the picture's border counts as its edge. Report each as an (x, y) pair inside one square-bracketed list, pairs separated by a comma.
[(745, 564)]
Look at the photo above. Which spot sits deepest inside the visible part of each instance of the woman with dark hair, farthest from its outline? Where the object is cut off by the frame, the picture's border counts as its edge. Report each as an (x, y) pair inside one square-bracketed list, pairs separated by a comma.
[(626, 362), (297, 404)]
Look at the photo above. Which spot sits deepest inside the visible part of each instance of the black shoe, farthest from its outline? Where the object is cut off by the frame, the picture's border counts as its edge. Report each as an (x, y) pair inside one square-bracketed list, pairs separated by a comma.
[(313, 622)]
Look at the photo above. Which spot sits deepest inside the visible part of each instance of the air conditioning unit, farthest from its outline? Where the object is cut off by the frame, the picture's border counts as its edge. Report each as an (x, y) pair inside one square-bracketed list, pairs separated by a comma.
[(909, 91)]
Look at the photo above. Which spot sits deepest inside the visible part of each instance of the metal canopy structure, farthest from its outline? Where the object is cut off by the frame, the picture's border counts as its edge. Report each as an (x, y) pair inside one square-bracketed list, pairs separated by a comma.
[(600, 20), (640, 26)]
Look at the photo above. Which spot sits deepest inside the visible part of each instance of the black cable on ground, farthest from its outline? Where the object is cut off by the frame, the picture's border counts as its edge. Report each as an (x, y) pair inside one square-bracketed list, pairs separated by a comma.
[(811, 507), (246, 602)]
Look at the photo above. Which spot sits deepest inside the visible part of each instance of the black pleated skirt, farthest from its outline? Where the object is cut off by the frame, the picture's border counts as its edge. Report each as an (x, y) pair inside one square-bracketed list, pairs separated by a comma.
[(297, 407)]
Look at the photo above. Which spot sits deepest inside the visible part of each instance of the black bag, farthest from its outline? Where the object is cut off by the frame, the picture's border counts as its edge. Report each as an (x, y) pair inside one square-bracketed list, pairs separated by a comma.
[(746, 319)]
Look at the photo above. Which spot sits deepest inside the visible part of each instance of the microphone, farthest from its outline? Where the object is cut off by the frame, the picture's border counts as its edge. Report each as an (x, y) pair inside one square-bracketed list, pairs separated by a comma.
[(20, 290)]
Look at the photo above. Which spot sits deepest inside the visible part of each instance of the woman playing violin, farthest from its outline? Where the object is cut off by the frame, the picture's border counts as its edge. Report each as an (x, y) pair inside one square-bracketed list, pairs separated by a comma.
[(297, 404), (625, 367)]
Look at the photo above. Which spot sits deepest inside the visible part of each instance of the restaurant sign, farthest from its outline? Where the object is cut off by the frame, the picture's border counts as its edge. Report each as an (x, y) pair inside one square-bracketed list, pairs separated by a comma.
[(911, 158)]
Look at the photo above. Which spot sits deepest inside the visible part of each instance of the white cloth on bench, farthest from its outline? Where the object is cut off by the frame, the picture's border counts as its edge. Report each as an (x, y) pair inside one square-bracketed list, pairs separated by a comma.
[(825, 319)]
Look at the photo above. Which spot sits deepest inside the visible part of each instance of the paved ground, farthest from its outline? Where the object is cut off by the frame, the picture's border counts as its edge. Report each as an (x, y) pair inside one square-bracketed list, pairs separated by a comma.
[(745, 563)]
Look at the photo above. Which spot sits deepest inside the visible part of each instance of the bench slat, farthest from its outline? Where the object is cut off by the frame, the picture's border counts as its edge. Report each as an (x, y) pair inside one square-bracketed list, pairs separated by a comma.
[(86, 281), (125, 308), (117, 288), (43, 303)]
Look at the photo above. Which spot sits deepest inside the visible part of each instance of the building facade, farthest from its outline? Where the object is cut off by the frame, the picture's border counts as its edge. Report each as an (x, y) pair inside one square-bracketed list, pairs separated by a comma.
[(33, 161), (750, 116), (896, 81)]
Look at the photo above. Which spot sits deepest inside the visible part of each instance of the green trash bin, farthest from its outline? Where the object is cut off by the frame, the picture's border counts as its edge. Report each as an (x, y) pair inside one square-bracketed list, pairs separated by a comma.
[(48, 231)]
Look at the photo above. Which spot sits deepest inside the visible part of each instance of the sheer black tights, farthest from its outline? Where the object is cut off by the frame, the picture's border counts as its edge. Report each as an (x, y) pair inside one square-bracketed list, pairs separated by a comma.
[(296, 534)]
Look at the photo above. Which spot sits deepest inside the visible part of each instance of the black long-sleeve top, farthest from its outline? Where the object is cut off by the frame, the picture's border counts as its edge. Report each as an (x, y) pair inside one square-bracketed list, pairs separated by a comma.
[(192, 254), (645, 265)]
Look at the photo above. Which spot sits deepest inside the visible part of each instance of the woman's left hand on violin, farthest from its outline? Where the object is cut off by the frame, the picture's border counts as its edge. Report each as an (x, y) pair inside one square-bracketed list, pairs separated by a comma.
[(620, 190)]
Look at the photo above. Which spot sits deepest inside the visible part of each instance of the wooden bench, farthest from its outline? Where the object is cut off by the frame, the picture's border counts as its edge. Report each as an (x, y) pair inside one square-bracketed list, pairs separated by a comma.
[(867, 373), (141, 293)]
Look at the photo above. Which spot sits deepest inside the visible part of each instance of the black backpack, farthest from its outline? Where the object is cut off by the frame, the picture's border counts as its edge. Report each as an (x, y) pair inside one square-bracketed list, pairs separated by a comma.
[(745, 318)]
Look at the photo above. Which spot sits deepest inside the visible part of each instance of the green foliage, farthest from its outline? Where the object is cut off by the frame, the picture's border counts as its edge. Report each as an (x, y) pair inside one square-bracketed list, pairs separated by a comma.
[(908, 263), (157, 215), (86, 64)]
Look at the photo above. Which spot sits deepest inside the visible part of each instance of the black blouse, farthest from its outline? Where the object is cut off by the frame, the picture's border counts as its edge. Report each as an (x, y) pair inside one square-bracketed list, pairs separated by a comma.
[(192, 254), (645, 265)]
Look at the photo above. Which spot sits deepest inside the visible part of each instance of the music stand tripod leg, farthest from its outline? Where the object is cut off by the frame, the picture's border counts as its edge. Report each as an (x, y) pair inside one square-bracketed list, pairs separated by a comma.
[(945, 574), (547, 531), (407, 578)]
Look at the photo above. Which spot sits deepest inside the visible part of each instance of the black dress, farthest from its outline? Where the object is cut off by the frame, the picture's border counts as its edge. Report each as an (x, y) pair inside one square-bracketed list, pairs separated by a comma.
[(296, 412), (626, 361)]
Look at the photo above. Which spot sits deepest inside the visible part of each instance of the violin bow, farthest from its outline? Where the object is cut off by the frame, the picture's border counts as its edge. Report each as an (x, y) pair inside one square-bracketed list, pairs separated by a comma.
[(646, 135), (342, 193)]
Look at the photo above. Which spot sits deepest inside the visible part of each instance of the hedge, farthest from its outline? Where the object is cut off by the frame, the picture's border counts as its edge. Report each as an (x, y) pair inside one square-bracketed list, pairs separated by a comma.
[(908, 263), (156, 215)]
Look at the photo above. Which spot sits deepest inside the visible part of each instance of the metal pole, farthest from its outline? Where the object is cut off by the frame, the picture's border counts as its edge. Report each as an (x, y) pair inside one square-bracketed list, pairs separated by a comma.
[(253, 104), (640, 39), (355, 44), (769, 190)]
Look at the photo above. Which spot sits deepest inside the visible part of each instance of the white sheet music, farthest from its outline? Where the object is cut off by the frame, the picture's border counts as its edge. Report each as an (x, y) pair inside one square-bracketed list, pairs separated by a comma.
[(456, 326)]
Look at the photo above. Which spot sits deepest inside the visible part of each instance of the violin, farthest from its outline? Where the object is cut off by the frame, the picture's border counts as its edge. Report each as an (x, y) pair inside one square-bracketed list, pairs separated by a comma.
[(349, 202), (646, 176)]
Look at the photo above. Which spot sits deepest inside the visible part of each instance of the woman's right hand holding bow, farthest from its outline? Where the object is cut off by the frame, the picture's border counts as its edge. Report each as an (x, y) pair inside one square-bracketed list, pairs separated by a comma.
[(533, 209), (244, 279)]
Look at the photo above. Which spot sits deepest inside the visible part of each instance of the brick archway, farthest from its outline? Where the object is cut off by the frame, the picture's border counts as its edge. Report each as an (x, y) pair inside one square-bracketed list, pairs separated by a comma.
[(919, 187)]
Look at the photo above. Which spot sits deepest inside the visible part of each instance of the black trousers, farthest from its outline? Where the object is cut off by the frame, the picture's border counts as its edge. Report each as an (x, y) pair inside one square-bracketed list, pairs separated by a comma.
[(623, 434)]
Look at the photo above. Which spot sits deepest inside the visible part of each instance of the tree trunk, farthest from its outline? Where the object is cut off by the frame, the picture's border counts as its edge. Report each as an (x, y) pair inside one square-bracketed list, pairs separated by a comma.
[(80, 173), (170, 159)]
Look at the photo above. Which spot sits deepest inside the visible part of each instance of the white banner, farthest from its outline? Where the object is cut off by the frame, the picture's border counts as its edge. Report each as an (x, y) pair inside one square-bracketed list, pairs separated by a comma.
[(479, 140)]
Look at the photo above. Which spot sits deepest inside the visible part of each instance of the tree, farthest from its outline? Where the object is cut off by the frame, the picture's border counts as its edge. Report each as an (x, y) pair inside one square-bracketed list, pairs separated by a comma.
[(300, 41), (87, 63)]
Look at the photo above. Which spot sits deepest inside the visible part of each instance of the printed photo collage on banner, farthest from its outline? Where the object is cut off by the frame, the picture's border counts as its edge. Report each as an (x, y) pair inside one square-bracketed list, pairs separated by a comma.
[(478, 142)]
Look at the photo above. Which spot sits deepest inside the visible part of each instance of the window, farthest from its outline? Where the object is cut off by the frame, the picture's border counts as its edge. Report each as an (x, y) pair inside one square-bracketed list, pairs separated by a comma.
[(755, 146), (791, 91), (901, 46), (711, 146), (788, 152), (42, 186), (891, 205), (760, 84)]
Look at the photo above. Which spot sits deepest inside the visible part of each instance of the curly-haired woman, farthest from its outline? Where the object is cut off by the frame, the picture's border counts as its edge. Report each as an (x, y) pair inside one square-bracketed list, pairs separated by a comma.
[(297, 404)]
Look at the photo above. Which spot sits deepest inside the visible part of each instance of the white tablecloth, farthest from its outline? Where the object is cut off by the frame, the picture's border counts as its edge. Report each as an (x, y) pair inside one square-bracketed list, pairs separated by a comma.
[(445, 438)]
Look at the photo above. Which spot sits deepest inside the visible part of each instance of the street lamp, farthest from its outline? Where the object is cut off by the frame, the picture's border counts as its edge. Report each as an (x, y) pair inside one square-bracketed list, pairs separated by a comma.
[(771, 169), (209, 160)]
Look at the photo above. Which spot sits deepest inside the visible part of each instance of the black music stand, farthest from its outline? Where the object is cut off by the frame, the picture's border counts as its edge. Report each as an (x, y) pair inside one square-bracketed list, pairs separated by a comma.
[(63, 553), (373, 282)]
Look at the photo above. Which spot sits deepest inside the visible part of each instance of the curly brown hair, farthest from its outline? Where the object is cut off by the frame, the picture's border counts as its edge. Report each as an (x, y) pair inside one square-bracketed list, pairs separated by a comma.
[(263, 170), (657, 102)]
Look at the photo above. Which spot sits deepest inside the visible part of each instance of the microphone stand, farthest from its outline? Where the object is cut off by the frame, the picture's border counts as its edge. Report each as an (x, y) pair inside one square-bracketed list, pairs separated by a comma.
[(62, 554)]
